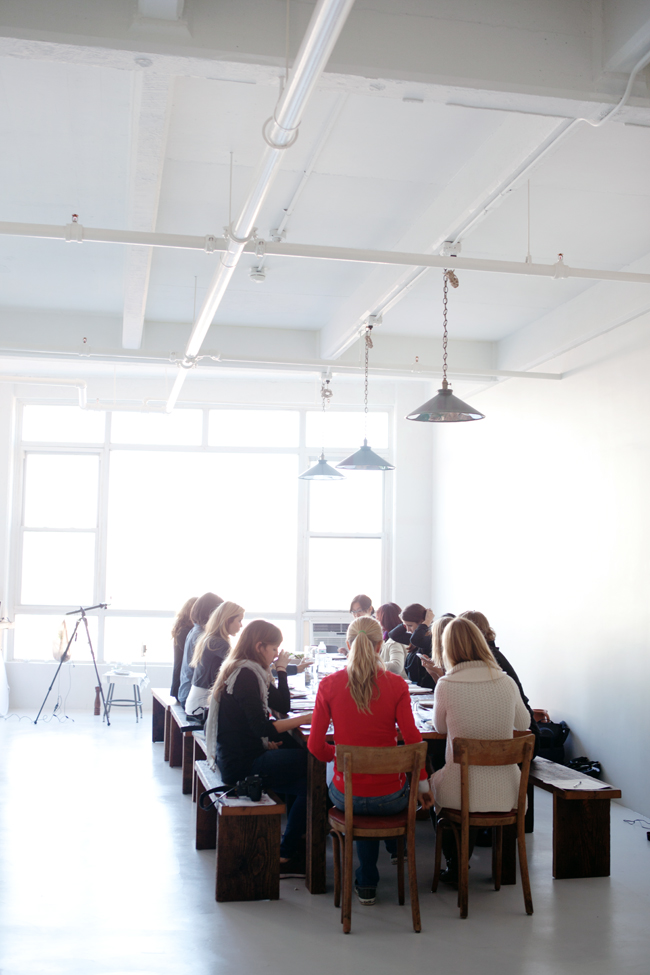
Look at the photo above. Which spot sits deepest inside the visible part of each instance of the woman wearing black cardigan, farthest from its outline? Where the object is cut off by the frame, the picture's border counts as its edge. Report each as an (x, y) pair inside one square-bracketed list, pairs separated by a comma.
[(244, 738)]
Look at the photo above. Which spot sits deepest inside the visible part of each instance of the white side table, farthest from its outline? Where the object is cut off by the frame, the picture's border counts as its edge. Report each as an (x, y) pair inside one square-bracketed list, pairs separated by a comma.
[(129, 678)]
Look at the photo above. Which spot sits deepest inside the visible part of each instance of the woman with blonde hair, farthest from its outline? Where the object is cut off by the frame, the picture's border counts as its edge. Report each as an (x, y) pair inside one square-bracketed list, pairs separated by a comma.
[(474, 699), (210, 652), (246, 741), (365, 701), (481, 620)]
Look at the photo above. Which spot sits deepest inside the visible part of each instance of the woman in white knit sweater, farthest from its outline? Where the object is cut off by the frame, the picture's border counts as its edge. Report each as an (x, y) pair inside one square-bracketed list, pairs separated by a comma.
[(475, 699)]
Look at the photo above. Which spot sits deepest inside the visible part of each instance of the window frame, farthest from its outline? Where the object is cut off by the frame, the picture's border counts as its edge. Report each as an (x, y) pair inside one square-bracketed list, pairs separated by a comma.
[(104, 449)]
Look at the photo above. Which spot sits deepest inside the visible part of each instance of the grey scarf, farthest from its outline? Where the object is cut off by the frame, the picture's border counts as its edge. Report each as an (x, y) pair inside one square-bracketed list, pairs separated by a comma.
[(264, 679)]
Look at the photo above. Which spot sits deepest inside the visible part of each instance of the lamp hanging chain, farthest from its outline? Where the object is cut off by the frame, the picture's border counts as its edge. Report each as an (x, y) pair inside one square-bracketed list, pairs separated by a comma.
[(448, 278), (445, 290), (365, 386)]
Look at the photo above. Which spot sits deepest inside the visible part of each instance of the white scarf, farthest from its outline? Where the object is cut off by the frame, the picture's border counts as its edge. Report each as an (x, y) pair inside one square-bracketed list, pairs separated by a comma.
[(264, 679)]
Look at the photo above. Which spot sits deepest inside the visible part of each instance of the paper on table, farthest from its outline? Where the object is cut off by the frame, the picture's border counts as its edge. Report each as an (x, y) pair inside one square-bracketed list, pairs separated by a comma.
[(585, 784), (232, 801)]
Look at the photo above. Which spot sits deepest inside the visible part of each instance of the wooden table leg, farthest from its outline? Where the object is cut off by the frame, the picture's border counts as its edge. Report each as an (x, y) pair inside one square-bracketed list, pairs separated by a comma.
[(580, 838), (529, 822), (317, 828), (509, 856)]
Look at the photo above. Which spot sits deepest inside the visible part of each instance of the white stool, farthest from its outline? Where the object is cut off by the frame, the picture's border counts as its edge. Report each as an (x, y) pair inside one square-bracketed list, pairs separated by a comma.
[(135, 680)]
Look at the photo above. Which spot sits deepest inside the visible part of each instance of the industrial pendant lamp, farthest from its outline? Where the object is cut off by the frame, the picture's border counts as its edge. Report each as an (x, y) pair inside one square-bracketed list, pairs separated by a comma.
[(365, 459), (321, 470), (445, 407)]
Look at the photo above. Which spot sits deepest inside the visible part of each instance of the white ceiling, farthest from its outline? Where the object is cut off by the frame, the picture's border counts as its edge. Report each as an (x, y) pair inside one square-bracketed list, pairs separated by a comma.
[(80, 137)]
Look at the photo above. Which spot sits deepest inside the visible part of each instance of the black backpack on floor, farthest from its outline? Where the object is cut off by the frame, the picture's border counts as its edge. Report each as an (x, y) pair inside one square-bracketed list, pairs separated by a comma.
[(552, 736)]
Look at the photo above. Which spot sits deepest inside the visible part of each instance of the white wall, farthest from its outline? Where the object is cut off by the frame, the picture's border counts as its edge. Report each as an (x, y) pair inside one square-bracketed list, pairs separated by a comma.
[(542, 522)]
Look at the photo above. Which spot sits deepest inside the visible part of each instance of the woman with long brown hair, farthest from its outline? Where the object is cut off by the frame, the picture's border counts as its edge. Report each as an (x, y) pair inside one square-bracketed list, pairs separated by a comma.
[(244, 738), (365, 702), (199, 614), (182, 626)]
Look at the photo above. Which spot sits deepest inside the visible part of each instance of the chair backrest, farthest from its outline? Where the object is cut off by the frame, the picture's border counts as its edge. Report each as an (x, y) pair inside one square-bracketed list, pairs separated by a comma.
[(357, 760), (508, 751)]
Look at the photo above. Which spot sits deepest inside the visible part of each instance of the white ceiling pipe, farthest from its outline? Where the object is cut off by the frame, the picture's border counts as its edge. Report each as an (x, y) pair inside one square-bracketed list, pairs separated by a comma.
[(320, 252), (279, 133), (78, 384)]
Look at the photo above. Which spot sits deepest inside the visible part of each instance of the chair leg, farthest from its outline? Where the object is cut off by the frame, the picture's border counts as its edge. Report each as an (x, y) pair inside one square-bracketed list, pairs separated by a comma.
[(497, 855), (413, 884), (523, 866), (463, 872), (436, 867), (348, 860), (336, 849), (400, 869)]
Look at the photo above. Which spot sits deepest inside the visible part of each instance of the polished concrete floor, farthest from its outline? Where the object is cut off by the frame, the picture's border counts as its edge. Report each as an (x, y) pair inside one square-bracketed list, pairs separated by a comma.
[(99, 875)]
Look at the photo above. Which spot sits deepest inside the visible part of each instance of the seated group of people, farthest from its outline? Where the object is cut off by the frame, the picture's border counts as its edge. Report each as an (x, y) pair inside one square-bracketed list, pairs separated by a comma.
[(477, 695)]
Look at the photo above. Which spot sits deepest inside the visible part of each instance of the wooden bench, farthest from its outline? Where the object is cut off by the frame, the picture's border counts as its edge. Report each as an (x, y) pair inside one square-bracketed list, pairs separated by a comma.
[(181, 745), (247, 841), (162, 702), (581, 821)]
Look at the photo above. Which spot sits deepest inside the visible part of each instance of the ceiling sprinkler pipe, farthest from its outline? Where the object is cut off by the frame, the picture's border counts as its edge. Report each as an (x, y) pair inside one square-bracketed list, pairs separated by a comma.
[(279, 133)]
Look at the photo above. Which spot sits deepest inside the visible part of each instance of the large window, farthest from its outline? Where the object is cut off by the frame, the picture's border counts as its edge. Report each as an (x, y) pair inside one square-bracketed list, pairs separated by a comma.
[(142, 511)]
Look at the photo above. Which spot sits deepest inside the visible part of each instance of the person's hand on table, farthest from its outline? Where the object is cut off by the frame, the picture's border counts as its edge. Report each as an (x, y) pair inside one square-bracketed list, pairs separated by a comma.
[(282, 660), (431, 669), (429, 618), (273, 745), (426, 799), (306, 718)]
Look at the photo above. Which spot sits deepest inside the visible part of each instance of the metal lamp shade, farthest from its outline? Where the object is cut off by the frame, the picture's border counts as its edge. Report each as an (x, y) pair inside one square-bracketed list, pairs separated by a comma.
[(365, 459), (444, 408), (321, 471)]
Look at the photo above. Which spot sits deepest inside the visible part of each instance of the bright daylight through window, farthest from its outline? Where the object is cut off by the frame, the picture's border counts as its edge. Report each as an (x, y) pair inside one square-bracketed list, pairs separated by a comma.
[(144, 510)]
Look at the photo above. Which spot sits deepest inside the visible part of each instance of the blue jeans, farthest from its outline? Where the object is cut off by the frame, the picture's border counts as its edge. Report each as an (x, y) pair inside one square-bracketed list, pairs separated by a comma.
[(287, 772), (367, 874)]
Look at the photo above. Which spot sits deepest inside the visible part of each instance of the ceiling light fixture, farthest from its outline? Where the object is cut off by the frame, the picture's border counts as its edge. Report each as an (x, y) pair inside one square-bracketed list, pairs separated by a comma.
[(445, 407), (321, 470), (365, 459)]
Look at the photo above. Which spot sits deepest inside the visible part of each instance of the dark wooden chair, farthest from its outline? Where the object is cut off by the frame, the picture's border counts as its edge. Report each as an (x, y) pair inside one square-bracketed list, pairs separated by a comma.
[(473, 751), (346, 827)]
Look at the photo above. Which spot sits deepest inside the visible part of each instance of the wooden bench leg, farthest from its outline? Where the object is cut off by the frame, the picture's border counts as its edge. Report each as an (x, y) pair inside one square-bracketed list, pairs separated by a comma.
[(168, 734), (581, 838), (158, 721), (317, 825), (248, 858), (175, 745), (188, 763), (206, 825)]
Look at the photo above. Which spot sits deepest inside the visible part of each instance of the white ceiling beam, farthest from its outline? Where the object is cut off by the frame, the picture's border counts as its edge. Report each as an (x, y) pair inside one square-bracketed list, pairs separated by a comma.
[(544, 58), (150, 125), (603, 308)]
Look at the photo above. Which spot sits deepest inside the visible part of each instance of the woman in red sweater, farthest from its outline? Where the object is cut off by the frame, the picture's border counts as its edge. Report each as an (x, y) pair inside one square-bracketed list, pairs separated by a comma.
[(365, 702)]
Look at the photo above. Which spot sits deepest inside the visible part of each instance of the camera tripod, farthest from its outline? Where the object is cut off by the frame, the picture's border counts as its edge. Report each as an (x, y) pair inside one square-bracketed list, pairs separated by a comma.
[(66, 655)]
